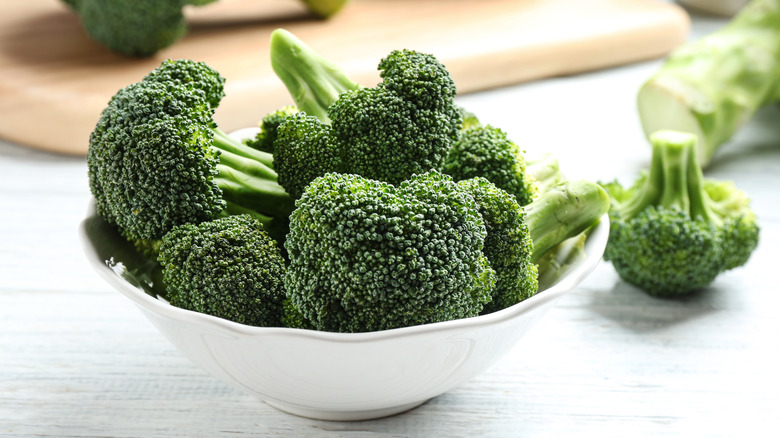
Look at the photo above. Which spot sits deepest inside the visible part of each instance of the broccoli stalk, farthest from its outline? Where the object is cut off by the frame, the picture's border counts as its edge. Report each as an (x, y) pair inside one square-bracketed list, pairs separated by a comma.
[(404, 125), (673, 231), (314, 83), (141, 28), (562, 212), (712, 86), (156, 159)]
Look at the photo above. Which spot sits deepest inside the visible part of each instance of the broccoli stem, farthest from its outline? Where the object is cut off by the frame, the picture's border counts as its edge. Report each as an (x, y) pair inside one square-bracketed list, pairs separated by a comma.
[(712, 86), (564, 211), (313, 82), (675, 179), (248, 181), (545, 171)]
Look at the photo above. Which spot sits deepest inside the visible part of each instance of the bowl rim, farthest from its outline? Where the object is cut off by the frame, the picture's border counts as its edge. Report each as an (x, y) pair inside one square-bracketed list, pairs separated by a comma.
[(595, 244)]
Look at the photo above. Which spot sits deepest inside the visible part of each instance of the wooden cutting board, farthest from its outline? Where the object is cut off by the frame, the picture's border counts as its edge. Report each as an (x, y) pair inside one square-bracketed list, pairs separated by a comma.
[(54, 80)]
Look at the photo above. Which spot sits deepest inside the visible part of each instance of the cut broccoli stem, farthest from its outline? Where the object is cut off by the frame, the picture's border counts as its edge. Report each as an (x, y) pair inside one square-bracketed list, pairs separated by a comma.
[(712, 86), (564, 211), (313, 82)]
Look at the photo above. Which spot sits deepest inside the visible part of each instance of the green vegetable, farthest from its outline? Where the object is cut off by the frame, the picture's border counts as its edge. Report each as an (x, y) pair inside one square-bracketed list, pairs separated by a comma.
[(265, 138), (157, 160), (141, 28), (367, 255), (487, 151), (403, 126), (712, 86), (313, 82), (229, 268), (508, 245), (673, 232)]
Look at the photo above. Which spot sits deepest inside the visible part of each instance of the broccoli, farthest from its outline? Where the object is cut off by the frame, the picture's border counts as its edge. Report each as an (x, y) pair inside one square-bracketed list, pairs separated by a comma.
[(673, 231), (403, 126), (487, 151), (367, 255), (141, 28), (544, 170), (227, 267), (313, 82), (712, 86), (508, 245), (156, 159), (265, 137)]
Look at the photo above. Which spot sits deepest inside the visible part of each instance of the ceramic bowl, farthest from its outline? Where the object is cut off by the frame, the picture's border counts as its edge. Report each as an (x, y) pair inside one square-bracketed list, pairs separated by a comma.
[(331, 376)]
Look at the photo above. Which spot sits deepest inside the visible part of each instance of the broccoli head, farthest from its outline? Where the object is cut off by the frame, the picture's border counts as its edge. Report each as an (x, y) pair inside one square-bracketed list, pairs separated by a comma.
[(487, 151), (673, 231), (403, 126), (508, 245), (266, 136), (141, 28), (228, 267), (366, 255), (305, 149), (156, 159)]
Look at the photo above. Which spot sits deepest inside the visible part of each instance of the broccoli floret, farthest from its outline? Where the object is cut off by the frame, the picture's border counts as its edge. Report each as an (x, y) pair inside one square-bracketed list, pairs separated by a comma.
[(403, 126), (508, 245), (156, 159), (367, 255), (487, 151), (140, 28), (266, 136), (305, 149), (228, 267), (673, 232)]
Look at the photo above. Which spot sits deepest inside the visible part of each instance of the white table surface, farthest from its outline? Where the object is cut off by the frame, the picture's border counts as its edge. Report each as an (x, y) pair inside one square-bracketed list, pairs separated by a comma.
[(78, 359)]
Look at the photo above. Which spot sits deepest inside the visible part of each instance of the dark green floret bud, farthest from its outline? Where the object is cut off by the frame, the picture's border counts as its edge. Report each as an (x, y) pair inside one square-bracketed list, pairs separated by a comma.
[(229, 268), (403, 126), (673, 232), (305, 149), (508, 244), (269, 125), (487, 151)]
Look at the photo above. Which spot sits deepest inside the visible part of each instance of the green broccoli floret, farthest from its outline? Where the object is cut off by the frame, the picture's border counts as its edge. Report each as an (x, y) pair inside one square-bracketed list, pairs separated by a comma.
[(228, 267), (366, 255), (673, 232), (487, 151), (266, 136), (141, 28), (403, 126), (508, 245), (156, 158)]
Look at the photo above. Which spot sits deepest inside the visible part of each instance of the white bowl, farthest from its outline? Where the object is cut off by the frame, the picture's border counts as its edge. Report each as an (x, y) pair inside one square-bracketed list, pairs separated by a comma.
[(331, 376)]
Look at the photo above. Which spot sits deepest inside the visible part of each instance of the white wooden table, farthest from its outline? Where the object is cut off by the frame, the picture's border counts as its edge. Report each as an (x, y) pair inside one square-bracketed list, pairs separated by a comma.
[(77, 359)]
